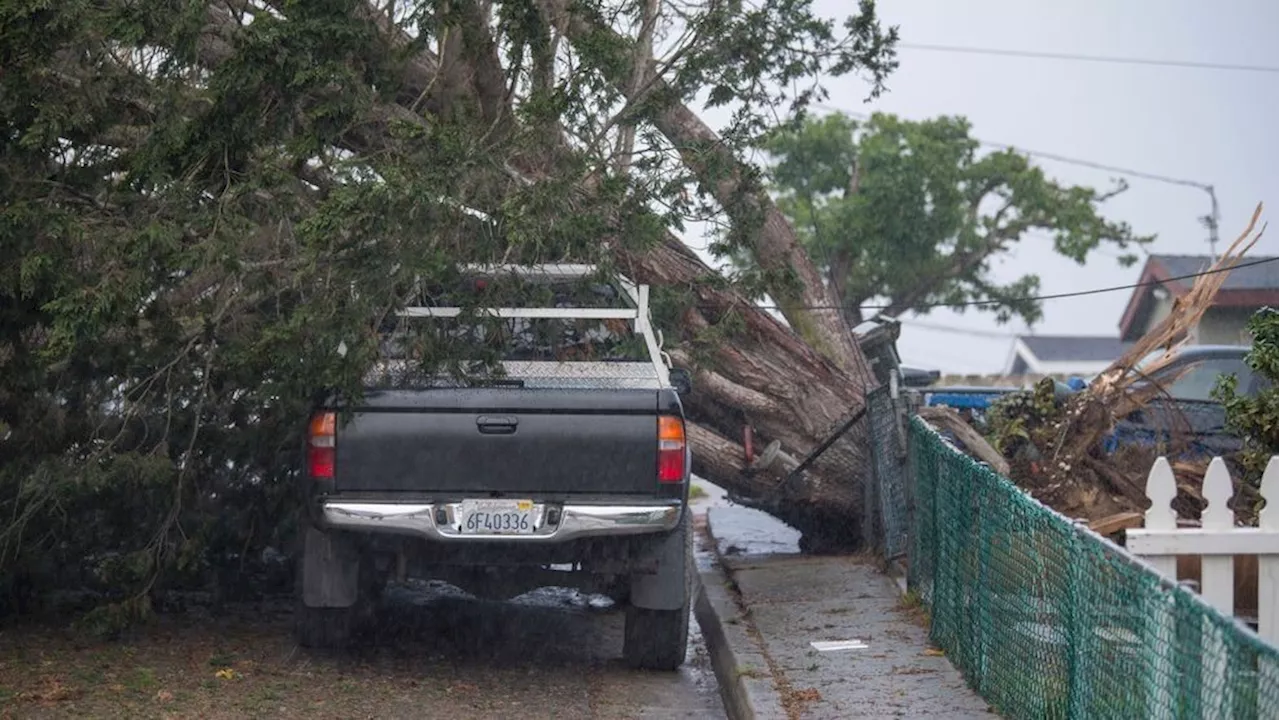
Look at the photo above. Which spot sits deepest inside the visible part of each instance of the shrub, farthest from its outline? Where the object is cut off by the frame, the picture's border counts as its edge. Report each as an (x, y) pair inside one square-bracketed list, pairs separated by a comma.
[(1254, 419)]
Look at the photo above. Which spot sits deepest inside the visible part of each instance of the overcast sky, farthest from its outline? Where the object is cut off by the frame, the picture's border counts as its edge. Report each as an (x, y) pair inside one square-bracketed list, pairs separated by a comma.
[(1210, 126)]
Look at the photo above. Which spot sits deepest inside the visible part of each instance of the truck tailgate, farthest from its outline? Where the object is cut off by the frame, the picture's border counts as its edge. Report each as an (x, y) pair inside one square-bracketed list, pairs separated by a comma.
[(500, 440)]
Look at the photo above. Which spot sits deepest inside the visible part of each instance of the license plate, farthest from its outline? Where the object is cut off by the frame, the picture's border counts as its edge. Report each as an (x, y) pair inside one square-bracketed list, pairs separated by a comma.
[(499, 517)]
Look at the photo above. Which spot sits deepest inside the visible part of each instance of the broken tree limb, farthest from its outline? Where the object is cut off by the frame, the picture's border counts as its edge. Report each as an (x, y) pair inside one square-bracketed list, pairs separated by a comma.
[(1115, 523), (1077, 452), (948, 419)]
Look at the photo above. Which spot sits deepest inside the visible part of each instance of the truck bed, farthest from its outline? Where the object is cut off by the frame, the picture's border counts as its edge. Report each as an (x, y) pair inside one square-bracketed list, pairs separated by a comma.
[(502, 442)]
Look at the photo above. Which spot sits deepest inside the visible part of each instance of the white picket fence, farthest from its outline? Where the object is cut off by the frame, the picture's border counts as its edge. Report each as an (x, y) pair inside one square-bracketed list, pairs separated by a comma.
[(1217, 540)]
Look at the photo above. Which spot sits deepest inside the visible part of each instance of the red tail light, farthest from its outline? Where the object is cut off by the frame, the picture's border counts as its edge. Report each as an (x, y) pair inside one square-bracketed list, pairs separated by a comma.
[(671, 445), (321, 444)]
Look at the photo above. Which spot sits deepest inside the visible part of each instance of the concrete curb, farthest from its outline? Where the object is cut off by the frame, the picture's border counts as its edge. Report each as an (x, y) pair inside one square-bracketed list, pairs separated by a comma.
[(746, 684)]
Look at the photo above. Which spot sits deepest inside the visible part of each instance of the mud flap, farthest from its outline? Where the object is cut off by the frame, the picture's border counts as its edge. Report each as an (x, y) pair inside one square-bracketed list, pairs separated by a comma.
[(330, 570), (668, 587)]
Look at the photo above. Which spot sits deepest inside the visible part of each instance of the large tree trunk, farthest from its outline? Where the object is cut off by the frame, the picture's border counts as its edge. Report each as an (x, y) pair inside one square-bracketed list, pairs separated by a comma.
[(770, 379)]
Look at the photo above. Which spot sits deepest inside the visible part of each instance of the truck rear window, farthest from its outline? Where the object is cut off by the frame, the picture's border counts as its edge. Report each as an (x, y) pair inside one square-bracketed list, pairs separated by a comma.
[(504, 290), (444, 341)]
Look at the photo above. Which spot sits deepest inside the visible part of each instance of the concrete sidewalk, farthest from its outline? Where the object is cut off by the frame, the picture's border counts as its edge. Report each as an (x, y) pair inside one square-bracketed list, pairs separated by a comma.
[(765, 604)]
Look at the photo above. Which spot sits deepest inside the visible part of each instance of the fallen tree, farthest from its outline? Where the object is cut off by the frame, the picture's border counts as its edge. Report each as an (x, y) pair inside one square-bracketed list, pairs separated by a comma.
[(764, 377), (205, 201)]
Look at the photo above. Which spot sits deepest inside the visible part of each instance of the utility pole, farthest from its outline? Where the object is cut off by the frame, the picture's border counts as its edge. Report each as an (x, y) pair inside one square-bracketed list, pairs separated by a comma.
[(1210, 221)]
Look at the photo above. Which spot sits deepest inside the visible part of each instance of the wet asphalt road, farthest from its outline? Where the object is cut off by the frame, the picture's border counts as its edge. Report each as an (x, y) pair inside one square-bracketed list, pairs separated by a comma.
[(550, 653)]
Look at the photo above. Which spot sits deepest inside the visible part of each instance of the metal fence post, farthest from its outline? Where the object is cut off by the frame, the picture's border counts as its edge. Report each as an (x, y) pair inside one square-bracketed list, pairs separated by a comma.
[(871, 492), (1079, 629)]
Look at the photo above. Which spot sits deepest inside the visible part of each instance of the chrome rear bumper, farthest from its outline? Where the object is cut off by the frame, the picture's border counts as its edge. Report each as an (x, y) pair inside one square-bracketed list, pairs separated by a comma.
[(554, 522)]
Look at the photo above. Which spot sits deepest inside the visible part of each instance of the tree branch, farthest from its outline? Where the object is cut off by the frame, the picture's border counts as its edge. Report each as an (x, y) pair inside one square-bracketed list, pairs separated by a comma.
[(808, 304), (487, 76), (958, 267), (730, 392), (841, 262), (960, 263), (640, 67)]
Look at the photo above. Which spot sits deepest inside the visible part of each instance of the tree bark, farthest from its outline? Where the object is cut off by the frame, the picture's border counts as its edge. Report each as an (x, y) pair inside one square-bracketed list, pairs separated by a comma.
[(838, 276), (771, 379)]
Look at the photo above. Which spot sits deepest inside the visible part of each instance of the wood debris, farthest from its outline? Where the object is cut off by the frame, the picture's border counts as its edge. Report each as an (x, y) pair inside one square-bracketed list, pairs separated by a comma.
[(1062, 461)]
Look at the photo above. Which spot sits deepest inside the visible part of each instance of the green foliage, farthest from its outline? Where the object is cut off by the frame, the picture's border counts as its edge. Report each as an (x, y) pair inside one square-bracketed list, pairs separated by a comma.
[(770, 55), (201, 203), (189, 242), (913, 214), (765, 61), (1017, 423), (1254, 418)]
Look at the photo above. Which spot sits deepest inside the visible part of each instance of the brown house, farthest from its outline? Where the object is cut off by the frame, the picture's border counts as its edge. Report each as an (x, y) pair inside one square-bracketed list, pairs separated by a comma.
[(1246, 290)]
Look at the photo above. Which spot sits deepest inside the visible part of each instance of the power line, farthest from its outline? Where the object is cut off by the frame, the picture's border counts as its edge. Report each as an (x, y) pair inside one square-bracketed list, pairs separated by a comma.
[(1034, 298), (1088, 58), (1100, 166), (1056, 157), (939, 327)]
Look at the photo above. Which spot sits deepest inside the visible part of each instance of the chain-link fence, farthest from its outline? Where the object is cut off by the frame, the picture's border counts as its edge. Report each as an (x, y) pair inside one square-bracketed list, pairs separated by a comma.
[(886, 499), (1048, 620)]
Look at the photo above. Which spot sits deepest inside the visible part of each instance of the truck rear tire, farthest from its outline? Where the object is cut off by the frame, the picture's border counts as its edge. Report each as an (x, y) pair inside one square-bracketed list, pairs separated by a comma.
[(330, 628), (659, 639), (336, 628), (656, 639)]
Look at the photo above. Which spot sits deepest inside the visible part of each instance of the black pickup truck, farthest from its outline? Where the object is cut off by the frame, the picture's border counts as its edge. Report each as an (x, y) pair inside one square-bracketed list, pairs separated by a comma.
[(570, 469)]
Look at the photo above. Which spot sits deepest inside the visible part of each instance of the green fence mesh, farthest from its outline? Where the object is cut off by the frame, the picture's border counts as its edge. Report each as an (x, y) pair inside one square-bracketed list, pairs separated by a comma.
[(886, 499), (1048, 620)]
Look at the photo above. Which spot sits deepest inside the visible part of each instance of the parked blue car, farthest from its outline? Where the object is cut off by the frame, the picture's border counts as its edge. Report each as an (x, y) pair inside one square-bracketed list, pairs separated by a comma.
[(1185, 410)]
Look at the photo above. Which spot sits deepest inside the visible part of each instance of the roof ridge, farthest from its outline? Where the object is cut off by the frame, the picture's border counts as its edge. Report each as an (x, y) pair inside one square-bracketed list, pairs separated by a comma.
[(1070, 336), (1245, 258)]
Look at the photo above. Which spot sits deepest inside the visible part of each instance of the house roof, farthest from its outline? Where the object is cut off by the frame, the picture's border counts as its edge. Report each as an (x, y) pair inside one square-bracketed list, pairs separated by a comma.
[(1062, 353), (1067, 348), (1251, 277), (1254, 285)]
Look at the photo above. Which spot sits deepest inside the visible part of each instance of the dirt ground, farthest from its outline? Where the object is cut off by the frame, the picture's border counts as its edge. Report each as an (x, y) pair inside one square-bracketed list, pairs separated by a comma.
[(436, 653)]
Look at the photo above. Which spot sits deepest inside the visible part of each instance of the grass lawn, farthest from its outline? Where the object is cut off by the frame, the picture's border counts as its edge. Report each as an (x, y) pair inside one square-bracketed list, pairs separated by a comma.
[(244, 666)]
